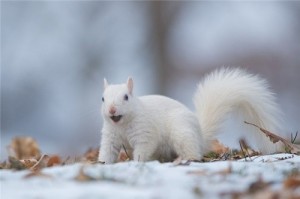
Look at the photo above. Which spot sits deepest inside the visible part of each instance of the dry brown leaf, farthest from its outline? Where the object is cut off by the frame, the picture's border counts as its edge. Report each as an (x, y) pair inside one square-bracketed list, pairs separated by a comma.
[(225, 171), (294, 148), (42, 163), (24, 148), (222, 172), (258, 186), (260, 189), (232, 194), (237, 157), (123, 156), (92, 154), (15, 163), (218, 147), (37, 174), (53, 160), (197, 173), (292, 182), (29, 162), (82, 177), (263, 194), (3, 165)]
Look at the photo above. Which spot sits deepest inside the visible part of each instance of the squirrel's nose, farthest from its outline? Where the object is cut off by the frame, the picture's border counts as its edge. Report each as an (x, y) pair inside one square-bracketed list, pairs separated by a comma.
[(112, 110)]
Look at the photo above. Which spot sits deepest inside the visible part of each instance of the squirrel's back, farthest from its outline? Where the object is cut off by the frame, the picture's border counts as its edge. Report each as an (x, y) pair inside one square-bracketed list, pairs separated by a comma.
[(163, 110), (158, 103)]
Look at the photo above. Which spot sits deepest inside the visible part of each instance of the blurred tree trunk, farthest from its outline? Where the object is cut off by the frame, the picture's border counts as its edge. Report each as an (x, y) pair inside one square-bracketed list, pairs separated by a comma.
[(162, 16)]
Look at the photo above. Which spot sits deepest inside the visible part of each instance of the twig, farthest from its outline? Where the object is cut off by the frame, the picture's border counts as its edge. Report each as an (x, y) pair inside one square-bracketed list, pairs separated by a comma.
[(247, 151), (248, 154), (246, 147), (294, 148), (65, 161), (225, 156), (42, 163), (293, 139), (243, 151), (125, 151)]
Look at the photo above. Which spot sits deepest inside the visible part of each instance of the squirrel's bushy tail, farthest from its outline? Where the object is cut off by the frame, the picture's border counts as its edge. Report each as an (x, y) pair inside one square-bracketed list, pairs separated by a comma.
[(230, 90)]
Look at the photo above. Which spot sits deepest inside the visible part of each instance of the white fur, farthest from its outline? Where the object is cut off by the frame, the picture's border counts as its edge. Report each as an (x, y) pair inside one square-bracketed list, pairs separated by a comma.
[(233, 90), (156, 127)]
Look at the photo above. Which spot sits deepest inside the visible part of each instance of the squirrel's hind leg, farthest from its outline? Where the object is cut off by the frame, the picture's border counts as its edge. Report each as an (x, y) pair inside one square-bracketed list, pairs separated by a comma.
[(186, 145)]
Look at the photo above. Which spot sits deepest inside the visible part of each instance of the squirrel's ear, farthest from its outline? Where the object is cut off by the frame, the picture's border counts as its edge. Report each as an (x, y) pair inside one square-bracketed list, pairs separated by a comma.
[(130, 85), (105, 83)]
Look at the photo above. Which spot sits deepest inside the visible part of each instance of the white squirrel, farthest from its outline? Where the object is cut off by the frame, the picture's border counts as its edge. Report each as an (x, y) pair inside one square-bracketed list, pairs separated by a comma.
[(155, 127)]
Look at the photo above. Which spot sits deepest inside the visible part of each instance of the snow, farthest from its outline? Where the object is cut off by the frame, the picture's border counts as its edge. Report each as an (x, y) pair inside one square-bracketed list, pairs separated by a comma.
[(150, 179)]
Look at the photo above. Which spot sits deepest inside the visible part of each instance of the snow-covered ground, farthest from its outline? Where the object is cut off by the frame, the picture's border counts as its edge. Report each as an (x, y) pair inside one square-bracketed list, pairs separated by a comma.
[(152, 179)]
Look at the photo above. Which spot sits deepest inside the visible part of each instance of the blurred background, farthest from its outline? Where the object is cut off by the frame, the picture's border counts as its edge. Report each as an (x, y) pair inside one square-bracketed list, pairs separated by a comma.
[(54, 56)]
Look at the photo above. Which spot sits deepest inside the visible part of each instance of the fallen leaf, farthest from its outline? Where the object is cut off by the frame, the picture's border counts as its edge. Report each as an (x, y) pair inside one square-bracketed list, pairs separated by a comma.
[(225, 171), (29, 162), (210, 156), (258, 186), (218, 147), (198, 192), (292, 182), (125, 154), (265, 194), (53, 160), (15, 163), (37, 174), (293, 148), (24, 148), (123, 157), (42, 163), (197, 173), (3, 165), (82, 177), (92, 154)]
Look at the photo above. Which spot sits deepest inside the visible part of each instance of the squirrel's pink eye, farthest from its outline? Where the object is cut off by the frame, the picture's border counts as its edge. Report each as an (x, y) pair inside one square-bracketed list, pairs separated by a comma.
[(126, 97)]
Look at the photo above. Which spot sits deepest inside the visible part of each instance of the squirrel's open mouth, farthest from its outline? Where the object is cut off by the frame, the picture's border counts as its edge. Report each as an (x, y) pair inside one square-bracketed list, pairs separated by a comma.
[(116, 118)]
